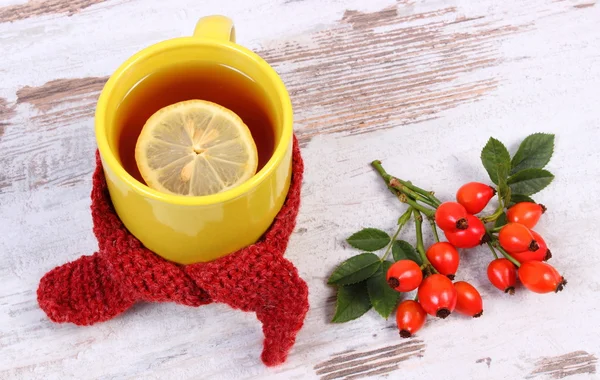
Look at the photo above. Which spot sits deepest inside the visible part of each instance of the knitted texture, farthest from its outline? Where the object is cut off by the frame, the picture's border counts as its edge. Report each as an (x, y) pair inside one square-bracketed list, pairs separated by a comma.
[(256, 278)]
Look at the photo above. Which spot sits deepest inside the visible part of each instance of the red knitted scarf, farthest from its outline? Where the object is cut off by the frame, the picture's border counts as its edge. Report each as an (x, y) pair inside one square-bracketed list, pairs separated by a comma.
[(257, 278)]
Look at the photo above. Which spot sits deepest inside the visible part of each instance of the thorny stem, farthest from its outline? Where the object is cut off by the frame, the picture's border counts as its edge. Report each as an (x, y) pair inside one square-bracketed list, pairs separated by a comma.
[(492, 249), (395, 184), (427, 211), (433, 201), (420, 245), (495, 229), (434, 229), (428, 194), (389, 247)]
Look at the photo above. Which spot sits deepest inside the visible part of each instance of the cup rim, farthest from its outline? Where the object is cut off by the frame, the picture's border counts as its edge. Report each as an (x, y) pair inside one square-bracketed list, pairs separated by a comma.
[(109, 157)]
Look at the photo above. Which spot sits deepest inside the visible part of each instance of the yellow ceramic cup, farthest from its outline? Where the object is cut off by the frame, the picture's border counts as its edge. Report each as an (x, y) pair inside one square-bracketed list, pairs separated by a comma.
[(197, 229)]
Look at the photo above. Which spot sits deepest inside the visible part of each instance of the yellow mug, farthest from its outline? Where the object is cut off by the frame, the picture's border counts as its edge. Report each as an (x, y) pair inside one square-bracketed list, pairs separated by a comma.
[(187, 229)]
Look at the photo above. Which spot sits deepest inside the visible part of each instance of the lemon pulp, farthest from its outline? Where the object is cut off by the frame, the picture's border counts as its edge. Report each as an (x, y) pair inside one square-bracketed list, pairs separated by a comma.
[(195, 148)]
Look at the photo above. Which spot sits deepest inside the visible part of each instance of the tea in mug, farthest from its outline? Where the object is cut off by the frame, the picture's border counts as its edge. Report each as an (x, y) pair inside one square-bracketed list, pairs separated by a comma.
[(180, 88)]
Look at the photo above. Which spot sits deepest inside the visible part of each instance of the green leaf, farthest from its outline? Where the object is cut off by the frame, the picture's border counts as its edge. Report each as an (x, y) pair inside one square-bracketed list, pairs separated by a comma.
[(517, 198), (534, 152), (369, 239), (383, 298), (404, 218), (501, 220), (496, 160), (402, 250), (530, 181), (352, 302), (356, 269)]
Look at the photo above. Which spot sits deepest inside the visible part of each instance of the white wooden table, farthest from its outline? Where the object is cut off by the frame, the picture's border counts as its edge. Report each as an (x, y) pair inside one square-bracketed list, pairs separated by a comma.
[(420, 85)]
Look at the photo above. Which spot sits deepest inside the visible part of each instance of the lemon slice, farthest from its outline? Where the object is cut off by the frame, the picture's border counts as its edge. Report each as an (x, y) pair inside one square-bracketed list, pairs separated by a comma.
[(196, 148)]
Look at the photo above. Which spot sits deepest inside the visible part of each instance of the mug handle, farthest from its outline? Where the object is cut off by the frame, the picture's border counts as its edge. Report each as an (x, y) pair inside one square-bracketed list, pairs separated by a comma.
[(215, 27)]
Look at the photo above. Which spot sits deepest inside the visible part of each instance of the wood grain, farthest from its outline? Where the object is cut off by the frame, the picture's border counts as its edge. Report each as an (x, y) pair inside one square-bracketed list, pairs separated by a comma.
[(419, 84), (357, 365), (57, 105), (355, 63), (558, 367), (586, 5), (7, 112), (354, 77), (75, 99), (33, 8), (383, 69)]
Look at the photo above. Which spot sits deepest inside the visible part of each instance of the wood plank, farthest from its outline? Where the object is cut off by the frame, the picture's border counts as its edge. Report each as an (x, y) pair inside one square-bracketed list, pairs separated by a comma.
[(420, 66), (420, 85), (36, 8)]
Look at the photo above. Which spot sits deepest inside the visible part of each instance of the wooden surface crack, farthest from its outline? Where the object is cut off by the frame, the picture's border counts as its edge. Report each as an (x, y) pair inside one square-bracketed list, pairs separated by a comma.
[(558, 367), (356, 365)]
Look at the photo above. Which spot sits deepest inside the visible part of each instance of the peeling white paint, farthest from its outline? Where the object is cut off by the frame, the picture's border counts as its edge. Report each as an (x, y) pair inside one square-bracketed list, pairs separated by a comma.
[(548, 80)]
